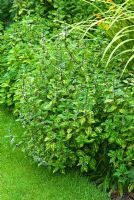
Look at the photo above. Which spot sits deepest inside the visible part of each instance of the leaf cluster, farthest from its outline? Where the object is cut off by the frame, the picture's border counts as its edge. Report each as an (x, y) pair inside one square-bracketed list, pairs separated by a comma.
[(76, 113)]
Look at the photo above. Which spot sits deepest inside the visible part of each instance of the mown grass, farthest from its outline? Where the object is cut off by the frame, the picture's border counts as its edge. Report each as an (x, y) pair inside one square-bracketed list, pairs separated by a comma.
[(22, 180)]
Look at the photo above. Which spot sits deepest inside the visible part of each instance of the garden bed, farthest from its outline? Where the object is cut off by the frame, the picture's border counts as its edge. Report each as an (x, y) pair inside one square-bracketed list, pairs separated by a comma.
[(129, 196)]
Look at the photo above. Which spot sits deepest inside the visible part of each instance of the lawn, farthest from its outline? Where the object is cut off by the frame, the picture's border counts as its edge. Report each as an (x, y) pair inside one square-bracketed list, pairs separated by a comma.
[(23, 180)]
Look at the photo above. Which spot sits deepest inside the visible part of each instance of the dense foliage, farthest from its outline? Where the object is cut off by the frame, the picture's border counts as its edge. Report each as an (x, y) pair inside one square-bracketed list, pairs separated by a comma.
[(77, 110), (5, 15), (69, 11)]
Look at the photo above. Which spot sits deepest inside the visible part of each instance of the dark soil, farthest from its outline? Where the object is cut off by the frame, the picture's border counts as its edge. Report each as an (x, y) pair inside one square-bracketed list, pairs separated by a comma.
[(129, 196)]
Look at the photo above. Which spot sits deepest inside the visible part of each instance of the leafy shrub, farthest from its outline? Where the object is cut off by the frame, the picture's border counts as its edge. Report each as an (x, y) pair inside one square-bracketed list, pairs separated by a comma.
[(75, 112), (14, 50), (69, 11)]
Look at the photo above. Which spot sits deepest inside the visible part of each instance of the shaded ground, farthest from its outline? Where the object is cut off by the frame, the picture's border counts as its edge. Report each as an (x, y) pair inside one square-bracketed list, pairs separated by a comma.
[(125, 197)]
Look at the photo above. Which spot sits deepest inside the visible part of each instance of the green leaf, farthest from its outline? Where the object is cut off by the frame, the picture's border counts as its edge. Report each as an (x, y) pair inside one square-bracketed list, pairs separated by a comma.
[(111, 109), (82, 120)]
